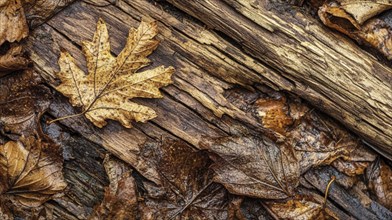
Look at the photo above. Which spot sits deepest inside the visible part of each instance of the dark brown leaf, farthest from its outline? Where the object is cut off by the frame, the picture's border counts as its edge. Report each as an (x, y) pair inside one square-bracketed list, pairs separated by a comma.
[(316, 139), (22, 101), (254, 167), (379, 177), (355, 162), (30, 172), (187, 191), (13, 60), (120, 201), (13, 26), (319, 141)]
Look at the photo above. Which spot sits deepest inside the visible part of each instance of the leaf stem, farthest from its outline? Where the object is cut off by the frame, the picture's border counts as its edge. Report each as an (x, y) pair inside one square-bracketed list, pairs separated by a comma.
[(65, 117), (333, 178)]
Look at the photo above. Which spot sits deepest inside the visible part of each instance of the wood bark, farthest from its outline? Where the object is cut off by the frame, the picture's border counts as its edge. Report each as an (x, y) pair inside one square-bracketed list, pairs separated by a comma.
[(325, 69)]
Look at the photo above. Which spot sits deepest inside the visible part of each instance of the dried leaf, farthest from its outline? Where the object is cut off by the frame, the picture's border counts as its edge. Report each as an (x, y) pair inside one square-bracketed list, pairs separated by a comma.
[(13, 60), (23, 100), (356, 162), (187, 191), (319, 141), (379, 177), (378, 34), (105, 92), (316, 139), (252, 209), (120, 201), (301, 208), (30, 174), (349, 18), (13, 26), (361, 11), (254, 167)]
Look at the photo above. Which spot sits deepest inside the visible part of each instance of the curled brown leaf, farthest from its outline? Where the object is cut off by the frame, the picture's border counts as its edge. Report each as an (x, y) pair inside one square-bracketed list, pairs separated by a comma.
[(13, 60), (13, 26), (30, 172), (356, 19)]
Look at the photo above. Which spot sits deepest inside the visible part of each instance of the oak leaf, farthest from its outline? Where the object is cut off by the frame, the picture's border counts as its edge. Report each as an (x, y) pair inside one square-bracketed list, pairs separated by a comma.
[(104, 93), (29, 174)]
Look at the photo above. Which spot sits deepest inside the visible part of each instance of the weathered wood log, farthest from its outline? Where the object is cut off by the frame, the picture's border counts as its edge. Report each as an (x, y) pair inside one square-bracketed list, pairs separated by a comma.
[(327, 70), (205, 99)]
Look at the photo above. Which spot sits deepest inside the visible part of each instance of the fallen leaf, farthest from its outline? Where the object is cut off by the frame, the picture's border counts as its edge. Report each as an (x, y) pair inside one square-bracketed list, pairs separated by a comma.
[(105, 92), (378, 34), (254, 167), (316, 139), (252, 209), (319, 141), (338, 18), (356, 19), (300, 208), (23, 100), (187, 191), (13, 26), (30, 172), (379, 177), (13, 60), (356, 162), (120, 200), (361, 11)]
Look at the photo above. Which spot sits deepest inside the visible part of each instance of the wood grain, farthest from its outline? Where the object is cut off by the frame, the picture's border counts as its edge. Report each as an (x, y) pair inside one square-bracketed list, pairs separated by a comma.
[(330, 72)]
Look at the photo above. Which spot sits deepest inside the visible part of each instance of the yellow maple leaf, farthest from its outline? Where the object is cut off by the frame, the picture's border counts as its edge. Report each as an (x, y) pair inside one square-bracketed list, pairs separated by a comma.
[(105, 91)]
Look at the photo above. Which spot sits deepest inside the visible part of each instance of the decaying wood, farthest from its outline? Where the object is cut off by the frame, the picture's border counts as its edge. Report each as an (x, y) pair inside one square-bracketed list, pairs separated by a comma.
[(38, 11), (216, 86), (326, 70)]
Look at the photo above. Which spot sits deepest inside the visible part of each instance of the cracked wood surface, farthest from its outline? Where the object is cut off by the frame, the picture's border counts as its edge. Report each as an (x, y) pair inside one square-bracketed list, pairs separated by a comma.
[(325, 69), (203, 101)]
